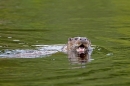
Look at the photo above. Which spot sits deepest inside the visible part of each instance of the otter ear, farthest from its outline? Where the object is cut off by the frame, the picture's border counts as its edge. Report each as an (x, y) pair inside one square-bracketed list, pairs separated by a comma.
[(70, 39)]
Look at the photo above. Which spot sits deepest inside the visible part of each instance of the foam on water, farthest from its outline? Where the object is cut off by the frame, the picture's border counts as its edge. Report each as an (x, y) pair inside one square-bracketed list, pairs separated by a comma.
[(40, 51)]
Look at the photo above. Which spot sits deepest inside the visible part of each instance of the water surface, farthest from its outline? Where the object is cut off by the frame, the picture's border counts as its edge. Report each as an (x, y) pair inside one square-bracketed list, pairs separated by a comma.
[(48, 22)]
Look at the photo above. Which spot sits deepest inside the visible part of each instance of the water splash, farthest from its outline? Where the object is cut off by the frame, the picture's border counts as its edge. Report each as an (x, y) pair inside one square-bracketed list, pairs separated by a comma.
[(40, 51)]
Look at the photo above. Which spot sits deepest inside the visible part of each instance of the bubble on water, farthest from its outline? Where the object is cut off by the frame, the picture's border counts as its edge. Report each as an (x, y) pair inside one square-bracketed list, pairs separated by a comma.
[(109, 54), (99, 49), (21, 43), (91, 59), (9, 37), (8, 52), (16, 40), (53, 59)]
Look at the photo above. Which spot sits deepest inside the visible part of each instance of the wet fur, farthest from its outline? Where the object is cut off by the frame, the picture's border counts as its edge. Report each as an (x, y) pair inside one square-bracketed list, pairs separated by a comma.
[(73, 55)]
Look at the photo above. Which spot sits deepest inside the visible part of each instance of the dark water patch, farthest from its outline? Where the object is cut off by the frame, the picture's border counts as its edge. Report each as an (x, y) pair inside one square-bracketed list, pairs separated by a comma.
[(82, 79), (8, 63), (68, 83), (121, 48), (119, 74), (98, 70), (100, 78), (23, 30), (116, 84), (74, 83), (120, 65), (125, 38), (74, 74), (121, 62)]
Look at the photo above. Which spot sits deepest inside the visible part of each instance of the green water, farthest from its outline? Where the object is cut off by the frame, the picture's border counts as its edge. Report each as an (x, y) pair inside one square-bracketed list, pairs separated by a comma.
[(30, 22)]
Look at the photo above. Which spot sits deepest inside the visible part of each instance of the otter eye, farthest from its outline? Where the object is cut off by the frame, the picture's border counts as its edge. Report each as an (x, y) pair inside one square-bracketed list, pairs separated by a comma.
[(70, 39), (76, 38)]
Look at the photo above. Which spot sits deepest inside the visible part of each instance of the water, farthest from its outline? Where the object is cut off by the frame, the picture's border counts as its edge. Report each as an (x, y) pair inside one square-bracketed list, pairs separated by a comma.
[(31, 29), (40, 51)]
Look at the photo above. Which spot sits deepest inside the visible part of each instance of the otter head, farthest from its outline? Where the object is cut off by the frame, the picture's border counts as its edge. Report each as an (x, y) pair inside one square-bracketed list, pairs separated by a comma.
[(80, 45)]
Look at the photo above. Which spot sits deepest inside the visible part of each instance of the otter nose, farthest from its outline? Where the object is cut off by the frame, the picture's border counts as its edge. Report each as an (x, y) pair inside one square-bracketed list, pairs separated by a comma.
[(83, 39)]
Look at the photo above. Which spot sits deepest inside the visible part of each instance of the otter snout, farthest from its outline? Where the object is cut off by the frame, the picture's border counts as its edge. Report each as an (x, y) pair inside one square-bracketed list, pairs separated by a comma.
[(83, 40)]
